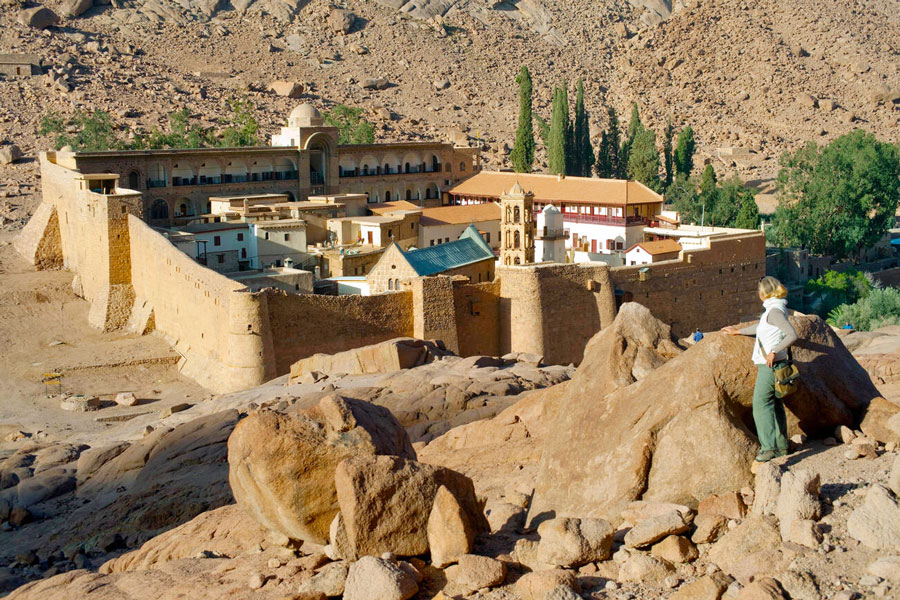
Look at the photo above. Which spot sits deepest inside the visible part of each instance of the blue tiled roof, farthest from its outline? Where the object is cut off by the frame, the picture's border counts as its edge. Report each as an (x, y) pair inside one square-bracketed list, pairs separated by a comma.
[(469, 248)]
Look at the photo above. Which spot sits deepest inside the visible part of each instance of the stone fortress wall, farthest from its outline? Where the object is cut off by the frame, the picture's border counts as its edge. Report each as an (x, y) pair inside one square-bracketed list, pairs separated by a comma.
[(231, 338)]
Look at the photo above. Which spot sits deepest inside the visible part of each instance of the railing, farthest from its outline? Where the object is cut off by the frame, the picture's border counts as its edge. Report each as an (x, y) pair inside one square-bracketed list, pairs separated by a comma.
[(378, 171), (552, 234), (155, 183), (316, 178), (226, 178), (603, 219)]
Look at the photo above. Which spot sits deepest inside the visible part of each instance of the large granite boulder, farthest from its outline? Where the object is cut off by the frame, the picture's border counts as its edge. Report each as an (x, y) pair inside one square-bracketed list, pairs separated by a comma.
[(385, 503), (281, 467), (685, 430)]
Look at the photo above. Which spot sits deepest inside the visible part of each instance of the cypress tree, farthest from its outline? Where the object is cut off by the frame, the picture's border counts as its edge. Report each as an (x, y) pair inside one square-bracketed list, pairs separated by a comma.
[(643, 158), (668, 133), (556, 151), (584, 151), (522, 155), (708, 192), (569, 130), (607, 165), (684, 151), (634, 127), (748, 216)]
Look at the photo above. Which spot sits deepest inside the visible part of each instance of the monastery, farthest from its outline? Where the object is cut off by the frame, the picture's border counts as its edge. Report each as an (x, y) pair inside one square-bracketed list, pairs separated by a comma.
[(238, 256)]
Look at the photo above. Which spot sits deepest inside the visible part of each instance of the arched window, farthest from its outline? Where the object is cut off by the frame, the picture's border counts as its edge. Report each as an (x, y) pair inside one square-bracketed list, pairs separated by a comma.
[(406, 168), (508, 214), (462, 166), (409, 193), (396, 284), (134, 180), (516, 214), (387, 196), (182, 209), (518, 262), (365, 169), (516, 240), (435, 164), (159, 210), (390, 284)]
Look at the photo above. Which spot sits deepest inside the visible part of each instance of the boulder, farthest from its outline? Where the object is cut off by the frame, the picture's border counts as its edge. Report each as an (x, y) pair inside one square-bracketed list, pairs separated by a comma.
[(877, 522), (372, 578), (375, 83), (767, 490), (38, 17), (568, 542), (329, 580), (75, 8), (886, 567), (729, 505), (736, 552), (450, 531), (764, 588), (282, 468), (537, 584), (708, 528), (803, 532), (341, 21), (643, 568), (478, 572), (10, 154), (339, 547), (386, 501), (126, 399), (675, 549), (287, 89), (708, 587), (894, 477), (651, 530), (684, 430), (798, 500)]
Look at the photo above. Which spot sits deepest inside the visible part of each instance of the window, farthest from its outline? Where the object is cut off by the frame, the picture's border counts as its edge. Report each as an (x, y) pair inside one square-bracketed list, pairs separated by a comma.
[(390, 284), (488, 234), (516, 214), (243, 253), (446, 240), (217, 240), (412, 226), (267, 235), (432, 242), (462, 166), (240, 237), (287, 237), (221, 258)]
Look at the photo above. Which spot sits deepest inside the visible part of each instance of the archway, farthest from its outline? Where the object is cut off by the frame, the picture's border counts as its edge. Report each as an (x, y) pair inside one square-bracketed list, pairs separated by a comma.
[(134, 180), (159, 210), (319, 148)]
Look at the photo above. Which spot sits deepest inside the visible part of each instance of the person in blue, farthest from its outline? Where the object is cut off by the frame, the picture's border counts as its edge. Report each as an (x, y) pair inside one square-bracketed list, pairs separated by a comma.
[(847, 325), (698, 335)]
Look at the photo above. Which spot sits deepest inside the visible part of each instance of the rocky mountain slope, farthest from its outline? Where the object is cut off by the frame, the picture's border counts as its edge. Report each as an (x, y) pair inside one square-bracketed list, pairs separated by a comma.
[(765, 75)]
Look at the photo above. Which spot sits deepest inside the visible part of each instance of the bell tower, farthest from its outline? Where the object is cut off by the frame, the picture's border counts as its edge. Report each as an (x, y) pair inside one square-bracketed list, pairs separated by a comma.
[(517, 226)]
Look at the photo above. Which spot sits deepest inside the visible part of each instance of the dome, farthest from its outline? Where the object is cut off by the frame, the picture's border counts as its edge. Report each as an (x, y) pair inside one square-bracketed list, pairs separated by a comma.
[(516, 190), (550, 209), (305, 115)]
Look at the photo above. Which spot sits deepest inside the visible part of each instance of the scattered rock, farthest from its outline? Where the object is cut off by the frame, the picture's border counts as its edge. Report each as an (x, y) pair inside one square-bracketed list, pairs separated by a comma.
[(75, 8), (799, 499), (805, 533), (807, 101), (768, 488), (126, 399), (654, 529), (568, 542), (537, 584), (80, 403), (886, 567), (641, 568), (708, 587), (18, 516), (478, 572), (287, 89), (440, 84), (894, 477), (675, 549), (329, 580), (377, 83), (341, 21), (729, 505), (450, 533), (10, 154), (175, 408), (708, 528), (877, 522), (765, 588), (372, 578), (38, 17)]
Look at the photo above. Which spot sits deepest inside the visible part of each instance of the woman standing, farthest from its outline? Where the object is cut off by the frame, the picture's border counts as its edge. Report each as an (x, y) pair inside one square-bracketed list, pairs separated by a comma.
[(774, 334)]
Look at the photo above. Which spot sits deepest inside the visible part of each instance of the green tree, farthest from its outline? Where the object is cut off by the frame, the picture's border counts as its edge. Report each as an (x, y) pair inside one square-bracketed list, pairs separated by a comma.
[(522, 155), (543, 130), (569, 130), (682, 195), (684, 151), (92, 131), (584, 150), (352, 127), (244, 129), (729, 198), (668, 134), (833, 288), (748, 216), (559, 125), (709, 194), (643, 159), (879, 308), (607, 165), (634, 127), (838, 199)]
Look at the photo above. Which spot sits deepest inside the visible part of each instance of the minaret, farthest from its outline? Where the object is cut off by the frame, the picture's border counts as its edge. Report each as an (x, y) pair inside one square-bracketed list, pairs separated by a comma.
[(517, 226)]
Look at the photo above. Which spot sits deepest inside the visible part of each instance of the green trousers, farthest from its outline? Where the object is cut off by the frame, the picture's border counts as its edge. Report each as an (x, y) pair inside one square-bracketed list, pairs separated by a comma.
[(768, 412)]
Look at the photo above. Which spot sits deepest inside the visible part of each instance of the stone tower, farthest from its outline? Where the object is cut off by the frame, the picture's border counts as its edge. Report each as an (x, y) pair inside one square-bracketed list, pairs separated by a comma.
[(517, 226)]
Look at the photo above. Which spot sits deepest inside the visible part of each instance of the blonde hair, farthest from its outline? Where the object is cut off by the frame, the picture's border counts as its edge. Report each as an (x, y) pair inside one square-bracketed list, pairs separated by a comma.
[(769, 287)]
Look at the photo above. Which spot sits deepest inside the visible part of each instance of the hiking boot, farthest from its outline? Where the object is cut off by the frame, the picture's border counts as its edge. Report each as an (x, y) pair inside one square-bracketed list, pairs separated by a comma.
[(765, 456), (780, 453)]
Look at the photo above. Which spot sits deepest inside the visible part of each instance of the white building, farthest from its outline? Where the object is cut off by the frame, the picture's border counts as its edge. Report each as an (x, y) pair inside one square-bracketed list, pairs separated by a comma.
[(550, 236), (645, 253), (601, 216)]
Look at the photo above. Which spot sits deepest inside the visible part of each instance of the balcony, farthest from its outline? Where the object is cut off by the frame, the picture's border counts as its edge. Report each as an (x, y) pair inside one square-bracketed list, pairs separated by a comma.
[(413, 170), (604, 219), (225, 179), (156, 183), (553, 234)]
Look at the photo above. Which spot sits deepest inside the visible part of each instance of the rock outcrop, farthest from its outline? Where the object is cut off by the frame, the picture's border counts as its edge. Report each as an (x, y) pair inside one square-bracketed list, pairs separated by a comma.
[(282, 467), (683, 431)]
